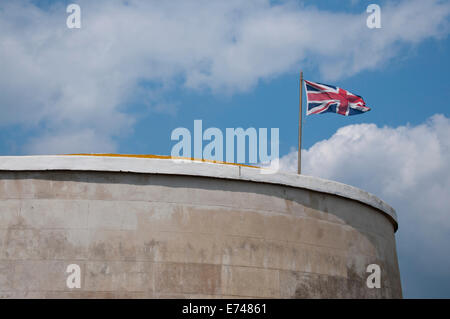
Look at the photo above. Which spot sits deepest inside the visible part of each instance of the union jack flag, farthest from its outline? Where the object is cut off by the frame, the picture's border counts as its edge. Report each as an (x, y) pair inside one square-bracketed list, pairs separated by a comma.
[(323, 98)]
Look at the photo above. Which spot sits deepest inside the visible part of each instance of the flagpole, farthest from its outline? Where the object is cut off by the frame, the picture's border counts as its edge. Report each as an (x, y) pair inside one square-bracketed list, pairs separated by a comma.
[(299, 171)]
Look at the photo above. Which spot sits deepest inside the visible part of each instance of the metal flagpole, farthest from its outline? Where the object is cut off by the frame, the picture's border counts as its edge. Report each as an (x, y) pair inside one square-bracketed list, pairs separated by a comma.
[(300, 127)]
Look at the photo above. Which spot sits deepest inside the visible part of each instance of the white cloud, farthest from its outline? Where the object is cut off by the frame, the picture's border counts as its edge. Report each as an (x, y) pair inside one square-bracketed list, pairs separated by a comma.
[(81, 80), (82, 141), (409, 168)]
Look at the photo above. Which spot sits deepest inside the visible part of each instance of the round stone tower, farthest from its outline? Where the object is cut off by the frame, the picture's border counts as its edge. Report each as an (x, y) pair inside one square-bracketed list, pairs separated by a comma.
[(132, 227)]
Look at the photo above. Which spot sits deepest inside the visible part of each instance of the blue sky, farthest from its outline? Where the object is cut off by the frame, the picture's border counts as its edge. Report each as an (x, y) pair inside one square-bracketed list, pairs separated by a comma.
[(396, 95), (135, 72), (391, 89)]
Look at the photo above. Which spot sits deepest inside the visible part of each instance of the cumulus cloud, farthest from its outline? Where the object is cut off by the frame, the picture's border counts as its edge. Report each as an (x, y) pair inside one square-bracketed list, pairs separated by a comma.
[(64, 79), (81, 141), (408, 167)]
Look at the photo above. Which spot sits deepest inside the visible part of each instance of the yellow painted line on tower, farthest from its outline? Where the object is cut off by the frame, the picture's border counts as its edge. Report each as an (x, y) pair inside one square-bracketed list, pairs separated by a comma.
[(164, 157)]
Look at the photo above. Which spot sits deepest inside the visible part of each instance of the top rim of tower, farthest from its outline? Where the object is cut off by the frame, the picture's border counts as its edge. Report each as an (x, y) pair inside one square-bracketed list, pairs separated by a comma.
[(166, 165)]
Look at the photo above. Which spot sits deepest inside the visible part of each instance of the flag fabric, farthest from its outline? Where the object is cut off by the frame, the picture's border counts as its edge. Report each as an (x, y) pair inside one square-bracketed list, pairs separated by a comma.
[(322, 98)]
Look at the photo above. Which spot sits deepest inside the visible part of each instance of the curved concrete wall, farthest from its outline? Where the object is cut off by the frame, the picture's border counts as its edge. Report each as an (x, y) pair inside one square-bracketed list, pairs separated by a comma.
[(147, 228)]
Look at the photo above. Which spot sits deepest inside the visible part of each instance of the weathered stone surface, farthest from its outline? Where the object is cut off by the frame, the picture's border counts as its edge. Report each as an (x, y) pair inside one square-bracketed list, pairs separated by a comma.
[(250, 282), (43, 275), (173, 236), (119, 276), (6, 275), (188, 278), (310, 285)]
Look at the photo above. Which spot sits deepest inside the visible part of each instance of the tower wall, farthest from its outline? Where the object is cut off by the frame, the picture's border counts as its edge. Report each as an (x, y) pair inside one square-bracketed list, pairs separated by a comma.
[(147, 228)]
